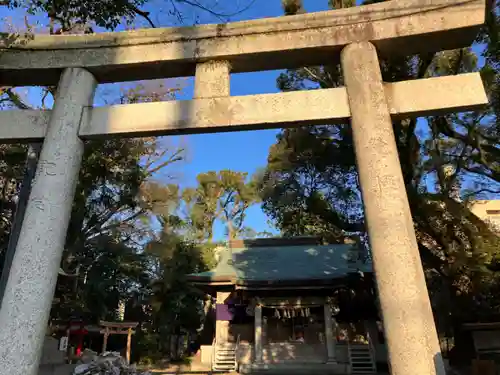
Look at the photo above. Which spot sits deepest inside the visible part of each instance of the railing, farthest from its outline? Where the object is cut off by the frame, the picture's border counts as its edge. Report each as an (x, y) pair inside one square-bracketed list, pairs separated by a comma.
[(214, 348), (373, 349), (236, 354), (349, 359), (355, 346)]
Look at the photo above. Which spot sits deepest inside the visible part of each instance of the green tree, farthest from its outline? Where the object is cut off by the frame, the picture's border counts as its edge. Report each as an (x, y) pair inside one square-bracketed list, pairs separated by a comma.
[(115, 200), (12, 160), (72, 16), (224, 195), (177, 306), (110, 273), (186, 246)]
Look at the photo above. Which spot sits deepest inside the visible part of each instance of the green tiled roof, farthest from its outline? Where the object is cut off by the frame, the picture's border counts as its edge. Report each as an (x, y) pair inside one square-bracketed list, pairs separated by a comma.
[(285, 263)]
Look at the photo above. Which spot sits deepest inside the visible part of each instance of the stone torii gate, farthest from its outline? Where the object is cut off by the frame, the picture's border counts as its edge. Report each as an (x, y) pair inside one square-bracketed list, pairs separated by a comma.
[(359, 36)]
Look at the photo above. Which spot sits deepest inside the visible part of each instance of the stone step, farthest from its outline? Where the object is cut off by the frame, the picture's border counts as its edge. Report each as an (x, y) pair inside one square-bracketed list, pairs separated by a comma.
[(366, 369), (224, 368), (361, 364), (361, 359)]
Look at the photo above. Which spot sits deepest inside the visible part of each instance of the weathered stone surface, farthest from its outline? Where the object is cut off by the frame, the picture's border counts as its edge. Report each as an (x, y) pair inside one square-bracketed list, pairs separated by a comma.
[(268, 111), (436, 96), (215, 114), (212, 80), (252, 112), (23, 125), (411, 335), (30, 287), (395, 27)]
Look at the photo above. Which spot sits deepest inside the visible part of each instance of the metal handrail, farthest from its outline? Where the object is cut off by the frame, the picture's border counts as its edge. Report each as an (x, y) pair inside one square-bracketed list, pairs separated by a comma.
[(373, 349), (214, 344), (236, 354), (349, 358)]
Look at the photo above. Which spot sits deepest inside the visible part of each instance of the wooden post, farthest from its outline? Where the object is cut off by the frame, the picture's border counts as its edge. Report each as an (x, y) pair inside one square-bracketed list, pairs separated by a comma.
[(105, 341), (258, 333), (129, 339), (329, 336), (68, 347)]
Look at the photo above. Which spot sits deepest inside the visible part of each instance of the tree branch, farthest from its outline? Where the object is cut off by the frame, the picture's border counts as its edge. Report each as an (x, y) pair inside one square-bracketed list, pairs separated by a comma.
[(173, 158), (425, 63), (484, 190), (221, 16), (142, 13), (15, 99)]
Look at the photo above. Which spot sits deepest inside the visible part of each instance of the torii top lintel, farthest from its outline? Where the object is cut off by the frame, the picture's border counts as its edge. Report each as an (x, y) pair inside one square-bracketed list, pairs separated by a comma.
[(394, 27)]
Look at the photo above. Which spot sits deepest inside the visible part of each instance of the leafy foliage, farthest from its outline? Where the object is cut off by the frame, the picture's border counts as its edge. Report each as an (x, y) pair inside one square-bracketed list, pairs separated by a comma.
[(222, 195), (12, 160), (107, 14), (176, 303)]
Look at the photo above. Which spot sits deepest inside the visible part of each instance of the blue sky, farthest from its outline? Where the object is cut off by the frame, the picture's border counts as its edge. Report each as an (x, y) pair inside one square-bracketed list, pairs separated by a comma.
[(242, 151)]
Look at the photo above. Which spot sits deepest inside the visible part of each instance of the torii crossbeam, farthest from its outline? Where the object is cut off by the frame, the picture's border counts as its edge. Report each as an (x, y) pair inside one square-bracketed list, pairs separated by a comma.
[(358, 36)]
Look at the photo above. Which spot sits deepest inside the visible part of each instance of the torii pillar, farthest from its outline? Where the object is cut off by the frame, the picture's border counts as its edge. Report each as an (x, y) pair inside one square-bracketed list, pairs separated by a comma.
[(32, 280), (406, 309)]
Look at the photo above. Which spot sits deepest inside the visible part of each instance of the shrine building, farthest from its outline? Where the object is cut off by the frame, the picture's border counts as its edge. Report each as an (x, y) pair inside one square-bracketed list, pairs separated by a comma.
[(286, 305)]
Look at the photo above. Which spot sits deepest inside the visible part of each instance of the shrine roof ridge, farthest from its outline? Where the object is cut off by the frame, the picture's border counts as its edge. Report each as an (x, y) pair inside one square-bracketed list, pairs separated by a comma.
[(286, 264)]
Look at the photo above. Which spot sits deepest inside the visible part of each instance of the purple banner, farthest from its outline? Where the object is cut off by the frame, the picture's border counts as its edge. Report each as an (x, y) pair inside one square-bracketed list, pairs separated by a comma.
[(224, 312)]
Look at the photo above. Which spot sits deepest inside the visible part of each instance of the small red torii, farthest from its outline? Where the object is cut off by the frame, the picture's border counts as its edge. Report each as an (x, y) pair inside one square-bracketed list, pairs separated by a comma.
[(118, 328)]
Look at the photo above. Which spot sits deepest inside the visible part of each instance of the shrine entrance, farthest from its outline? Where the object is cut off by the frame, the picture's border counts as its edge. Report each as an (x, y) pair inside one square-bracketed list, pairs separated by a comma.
[(356, 36)]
